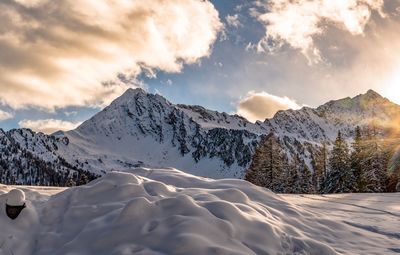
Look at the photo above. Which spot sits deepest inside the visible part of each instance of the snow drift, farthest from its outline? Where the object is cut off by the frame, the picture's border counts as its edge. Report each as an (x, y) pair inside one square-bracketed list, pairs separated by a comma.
[(166, 211)]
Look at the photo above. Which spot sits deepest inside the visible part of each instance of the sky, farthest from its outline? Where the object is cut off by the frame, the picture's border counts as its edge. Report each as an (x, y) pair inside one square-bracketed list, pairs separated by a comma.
[(63, 61)]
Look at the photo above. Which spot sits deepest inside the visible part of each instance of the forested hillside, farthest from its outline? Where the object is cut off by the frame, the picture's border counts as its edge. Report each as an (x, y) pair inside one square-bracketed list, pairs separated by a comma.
[(368, 164)]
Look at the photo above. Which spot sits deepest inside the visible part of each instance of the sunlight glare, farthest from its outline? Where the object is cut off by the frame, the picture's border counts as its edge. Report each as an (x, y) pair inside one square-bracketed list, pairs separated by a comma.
[(391, 88)]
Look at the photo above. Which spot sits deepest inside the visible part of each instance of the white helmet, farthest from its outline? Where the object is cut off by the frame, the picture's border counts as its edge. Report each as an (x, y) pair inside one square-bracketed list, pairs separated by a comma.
[(16, 197)]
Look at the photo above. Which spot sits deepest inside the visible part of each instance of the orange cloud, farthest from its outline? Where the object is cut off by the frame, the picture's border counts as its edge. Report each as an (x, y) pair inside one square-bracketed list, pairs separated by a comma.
[(259, 106), (298, 22), (62, 53), (48, 126)]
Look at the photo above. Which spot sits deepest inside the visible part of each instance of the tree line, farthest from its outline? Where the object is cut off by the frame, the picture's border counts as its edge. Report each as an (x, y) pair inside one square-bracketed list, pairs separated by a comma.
[(20, 167), (366, 165)]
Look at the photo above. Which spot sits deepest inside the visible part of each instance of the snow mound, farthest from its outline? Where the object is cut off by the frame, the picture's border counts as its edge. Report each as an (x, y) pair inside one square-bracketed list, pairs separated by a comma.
[(166, 211), (16, 197), (126, 213)]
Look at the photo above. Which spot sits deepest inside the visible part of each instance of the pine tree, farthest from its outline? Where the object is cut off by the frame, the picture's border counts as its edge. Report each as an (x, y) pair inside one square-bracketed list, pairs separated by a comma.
[(393, 167), (306, 180), (375, 164), (268, 164), (83, 179), (340, 178), (392, 182), (70, 182), (256, 173), (356, 159), (298, 178), (292, 180), (319, 164)]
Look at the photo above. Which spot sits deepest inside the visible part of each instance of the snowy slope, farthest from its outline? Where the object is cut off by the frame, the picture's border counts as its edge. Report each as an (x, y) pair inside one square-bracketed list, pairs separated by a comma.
[(165, 211), (373, 214)]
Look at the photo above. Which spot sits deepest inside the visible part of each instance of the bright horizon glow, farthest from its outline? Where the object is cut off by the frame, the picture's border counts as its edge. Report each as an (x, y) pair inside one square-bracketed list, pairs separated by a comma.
[(391, 88)]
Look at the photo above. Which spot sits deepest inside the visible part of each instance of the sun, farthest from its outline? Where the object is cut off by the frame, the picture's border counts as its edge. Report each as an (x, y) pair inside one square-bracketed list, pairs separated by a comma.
[(391, 88)]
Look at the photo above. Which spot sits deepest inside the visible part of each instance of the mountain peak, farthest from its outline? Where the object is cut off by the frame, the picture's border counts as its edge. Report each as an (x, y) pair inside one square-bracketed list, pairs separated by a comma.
[(372, 99), (371, 91), (367, 104), (129, 95), (134, 91), (371, 94)]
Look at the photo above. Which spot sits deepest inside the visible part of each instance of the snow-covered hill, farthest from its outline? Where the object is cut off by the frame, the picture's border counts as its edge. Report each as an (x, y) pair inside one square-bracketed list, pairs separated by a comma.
[(142, 129), (165, 211)]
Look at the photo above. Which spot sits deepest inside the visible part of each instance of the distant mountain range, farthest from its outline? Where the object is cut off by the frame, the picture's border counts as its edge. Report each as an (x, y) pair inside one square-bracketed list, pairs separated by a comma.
[(142, 129)]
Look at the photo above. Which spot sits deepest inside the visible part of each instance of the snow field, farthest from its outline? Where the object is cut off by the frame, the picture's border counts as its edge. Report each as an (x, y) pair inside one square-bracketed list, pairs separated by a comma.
[(165, 211)]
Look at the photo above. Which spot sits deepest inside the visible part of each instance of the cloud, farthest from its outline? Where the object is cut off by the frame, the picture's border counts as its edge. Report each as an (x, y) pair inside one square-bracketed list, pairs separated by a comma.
[(5, 115), (48, 126), (60, 53), (71, 113), (261, 105), (233, 20), (298, 22)]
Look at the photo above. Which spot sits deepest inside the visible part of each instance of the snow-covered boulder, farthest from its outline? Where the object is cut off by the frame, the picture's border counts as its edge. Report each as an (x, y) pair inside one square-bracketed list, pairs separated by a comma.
[(16, 236)]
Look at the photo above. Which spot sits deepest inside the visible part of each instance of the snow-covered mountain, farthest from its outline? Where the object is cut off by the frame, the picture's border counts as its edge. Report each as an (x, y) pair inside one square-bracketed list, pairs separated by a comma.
[(304, 131), (323, 123), (142, 129)]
